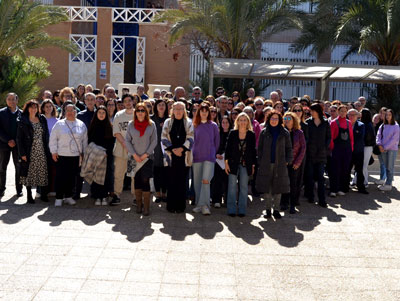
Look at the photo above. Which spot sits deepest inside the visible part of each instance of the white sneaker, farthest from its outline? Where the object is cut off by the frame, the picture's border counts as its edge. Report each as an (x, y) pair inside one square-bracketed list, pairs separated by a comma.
[(197, 209), (341, 193), (37, 196), (104, 202), (98, 202), (205, 210), (58, 203), (366, 185), (385, 188), (380, 182), (217, 205), (51, 194), (70, 201), (332, 195)]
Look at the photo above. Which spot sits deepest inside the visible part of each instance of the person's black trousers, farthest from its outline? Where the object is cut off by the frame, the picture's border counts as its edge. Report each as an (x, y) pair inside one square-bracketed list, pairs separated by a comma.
[(4, 159), (67, 170)]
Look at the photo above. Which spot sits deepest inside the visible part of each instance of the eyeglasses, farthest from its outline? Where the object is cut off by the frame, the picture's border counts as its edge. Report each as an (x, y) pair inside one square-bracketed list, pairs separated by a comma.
[(110, 105), (275, 118), (259, 104), (194, 110), (141, 111), (196, 93), (213, 111), (220, 92), (297, 111), (287, 118)]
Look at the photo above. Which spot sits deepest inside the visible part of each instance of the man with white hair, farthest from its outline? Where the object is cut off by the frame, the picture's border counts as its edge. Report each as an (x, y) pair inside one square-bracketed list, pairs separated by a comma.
[(179, 92), (197, 95), (274, 96), (363, 101), (357, 158), (222, 102), (110, 93)]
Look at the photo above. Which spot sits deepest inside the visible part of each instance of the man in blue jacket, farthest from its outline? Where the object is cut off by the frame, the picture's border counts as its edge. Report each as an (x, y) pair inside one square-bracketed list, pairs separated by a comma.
[(8, 146)]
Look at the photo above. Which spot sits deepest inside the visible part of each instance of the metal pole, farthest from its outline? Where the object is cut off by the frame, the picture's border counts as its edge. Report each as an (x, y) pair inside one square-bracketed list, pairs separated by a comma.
[(211, 77)]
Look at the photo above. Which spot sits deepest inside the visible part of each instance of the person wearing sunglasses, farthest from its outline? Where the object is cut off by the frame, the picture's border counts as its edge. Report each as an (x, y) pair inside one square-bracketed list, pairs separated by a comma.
[(259, 106), (196, 95), (292, 124), (141, 140), (274, 155), (298, 110)]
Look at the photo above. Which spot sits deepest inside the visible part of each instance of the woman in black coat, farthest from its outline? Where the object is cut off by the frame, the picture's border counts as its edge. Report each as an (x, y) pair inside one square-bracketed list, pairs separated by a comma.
[(33, 149), (274, 154)]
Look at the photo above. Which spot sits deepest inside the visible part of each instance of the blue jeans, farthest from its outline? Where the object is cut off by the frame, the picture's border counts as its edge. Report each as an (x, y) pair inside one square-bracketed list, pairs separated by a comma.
[(232, 191), (202, 171), (389, 157), (382, 168)]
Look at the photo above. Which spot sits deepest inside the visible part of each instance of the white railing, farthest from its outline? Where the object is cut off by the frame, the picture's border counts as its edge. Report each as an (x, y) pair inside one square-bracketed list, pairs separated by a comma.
[(134, 15), (82, 14), (45, 2)]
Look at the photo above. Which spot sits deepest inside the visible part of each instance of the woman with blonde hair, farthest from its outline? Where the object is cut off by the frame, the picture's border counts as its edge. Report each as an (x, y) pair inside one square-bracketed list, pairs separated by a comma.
[(177, 138), (240, 161), (292, 124)]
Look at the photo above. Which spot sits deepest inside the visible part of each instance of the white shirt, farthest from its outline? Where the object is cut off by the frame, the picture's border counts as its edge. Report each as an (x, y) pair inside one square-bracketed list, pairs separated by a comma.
[(62, 141)]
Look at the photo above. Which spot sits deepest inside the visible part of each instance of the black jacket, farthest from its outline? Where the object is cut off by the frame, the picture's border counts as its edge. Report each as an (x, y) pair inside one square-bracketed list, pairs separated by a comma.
[(7, 127), (370, 136), (283, 157), (232, 153), (25, 140), (319, 138)]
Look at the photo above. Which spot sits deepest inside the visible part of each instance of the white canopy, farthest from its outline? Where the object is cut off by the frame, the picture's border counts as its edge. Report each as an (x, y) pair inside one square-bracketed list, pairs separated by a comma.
[(238, 68)]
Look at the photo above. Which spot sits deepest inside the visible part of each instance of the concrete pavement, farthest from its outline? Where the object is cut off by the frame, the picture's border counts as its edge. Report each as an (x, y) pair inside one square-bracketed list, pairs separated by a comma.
[(349, 251)]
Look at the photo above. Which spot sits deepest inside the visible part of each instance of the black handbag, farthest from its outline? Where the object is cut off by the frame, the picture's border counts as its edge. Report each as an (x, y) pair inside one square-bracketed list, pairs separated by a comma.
[(376, 150), (371, 160)]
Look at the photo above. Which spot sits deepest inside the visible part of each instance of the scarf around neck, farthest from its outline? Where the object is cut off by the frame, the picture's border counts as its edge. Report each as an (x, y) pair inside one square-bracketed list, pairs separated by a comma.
[(141, 126)]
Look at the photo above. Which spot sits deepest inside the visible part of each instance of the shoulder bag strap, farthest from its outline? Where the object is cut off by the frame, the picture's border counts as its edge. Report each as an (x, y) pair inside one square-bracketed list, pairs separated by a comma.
[(79, 150)]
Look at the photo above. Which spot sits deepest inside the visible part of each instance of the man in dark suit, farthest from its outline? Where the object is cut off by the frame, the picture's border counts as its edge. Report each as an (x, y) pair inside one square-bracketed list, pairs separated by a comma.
[(8, 146)]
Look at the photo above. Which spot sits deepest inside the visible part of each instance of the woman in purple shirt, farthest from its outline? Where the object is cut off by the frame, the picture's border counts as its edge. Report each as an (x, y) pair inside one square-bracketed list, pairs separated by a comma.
[(388, 141), (206, 143)]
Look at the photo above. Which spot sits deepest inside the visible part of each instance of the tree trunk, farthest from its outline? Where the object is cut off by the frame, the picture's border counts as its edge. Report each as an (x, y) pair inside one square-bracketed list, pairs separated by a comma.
[(388, 96)]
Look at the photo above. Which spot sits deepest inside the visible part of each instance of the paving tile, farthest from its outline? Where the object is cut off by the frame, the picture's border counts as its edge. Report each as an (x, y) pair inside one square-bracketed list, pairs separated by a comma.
[(180, 277), (63, 284), (54, 295), (179, 290), (140, 289), (108, 274), (101, 287)]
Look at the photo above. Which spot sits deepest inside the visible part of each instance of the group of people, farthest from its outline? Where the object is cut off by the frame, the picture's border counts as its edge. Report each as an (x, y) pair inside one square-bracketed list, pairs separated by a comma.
[(214, 151)]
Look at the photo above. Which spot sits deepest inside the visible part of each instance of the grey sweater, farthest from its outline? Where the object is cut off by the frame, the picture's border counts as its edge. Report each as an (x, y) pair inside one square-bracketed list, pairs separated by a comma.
[(141, 145)]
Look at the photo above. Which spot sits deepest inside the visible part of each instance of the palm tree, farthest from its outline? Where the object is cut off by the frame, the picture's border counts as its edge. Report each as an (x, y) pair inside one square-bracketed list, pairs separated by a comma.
[(371, 26), (22, 28), (23, 24), (229, 28)]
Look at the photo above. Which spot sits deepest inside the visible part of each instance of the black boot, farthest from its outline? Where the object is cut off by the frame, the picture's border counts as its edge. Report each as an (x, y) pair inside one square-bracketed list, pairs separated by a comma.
[(29, 197), (268, 215), (276, 214)]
